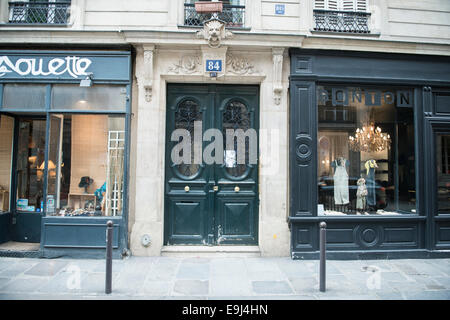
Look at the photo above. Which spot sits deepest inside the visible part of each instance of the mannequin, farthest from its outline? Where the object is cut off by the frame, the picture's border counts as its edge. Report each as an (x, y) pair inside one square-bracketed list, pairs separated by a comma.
[(361, 194), (340, 181), (371, 165)]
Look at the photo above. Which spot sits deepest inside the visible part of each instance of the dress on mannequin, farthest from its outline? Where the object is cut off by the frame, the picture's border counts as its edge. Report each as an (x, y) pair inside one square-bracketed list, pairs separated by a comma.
[(340, 181), (371, 165)]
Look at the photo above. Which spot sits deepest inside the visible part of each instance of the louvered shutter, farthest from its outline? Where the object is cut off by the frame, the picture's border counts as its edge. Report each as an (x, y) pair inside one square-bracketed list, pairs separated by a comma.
[(319, 4), (361, 5), (332, 5), (347, 5)]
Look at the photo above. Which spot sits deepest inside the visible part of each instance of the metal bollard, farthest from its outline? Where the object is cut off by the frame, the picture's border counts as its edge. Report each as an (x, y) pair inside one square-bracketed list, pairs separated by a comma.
[(109, 239), (323, 240)]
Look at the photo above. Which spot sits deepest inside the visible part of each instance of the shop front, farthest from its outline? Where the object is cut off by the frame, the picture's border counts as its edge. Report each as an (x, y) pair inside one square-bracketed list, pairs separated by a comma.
[(65, 119), (369, 138)]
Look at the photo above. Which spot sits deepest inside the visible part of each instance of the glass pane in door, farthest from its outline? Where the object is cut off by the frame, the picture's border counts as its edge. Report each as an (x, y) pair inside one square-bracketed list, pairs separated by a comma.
[(30, 165), (443, 172), (6, 143)]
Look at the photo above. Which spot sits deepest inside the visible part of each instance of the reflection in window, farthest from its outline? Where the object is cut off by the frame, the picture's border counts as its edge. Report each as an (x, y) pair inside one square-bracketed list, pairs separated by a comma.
[(86, 165), (30, 165), (443, 172), (6, 143), (366, 159), (187, 116)]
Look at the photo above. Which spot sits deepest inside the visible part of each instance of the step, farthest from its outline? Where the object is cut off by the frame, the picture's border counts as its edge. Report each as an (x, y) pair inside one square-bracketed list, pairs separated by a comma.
[(211, 251)]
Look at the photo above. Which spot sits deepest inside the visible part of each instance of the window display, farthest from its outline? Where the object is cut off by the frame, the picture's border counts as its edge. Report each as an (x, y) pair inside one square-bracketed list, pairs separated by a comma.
[(86, 165), (443, 172), (6, 143), (366, 151)]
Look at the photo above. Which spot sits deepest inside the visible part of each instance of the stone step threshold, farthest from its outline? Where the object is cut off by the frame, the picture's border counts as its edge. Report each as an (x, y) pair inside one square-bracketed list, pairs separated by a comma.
[(210, 251)]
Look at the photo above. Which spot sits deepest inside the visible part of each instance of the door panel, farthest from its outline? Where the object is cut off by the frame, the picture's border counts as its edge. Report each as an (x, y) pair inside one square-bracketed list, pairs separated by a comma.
[(29, 177), (211, 203)]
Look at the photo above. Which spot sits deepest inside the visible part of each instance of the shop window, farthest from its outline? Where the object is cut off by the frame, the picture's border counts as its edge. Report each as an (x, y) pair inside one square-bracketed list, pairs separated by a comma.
[(366, 151), (86, 165), (443, 172), (97, 97), (6, 143), (14, 97)]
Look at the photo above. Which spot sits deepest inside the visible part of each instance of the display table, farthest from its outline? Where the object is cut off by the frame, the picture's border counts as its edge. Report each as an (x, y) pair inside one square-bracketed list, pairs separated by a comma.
[(77, 200)]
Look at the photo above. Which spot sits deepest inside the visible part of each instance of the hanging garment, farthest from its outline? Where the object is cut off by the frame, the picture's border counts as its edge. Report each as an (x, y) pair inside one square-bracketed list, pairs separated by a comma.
[(340, 182), (361, 194), (370, 182)]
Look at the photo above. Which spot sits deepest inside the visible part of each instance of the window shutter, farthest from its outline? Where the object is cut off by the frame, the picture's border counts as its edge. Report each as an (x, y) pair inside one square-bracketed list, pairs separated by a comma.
[(332, 5), (361, 5), (348, 5), (319, 4)]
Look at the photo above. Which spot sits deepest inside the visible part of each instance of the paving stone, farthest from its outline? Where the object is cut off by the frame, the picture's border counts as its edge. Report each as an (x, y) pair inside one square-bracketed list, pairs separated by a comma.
[(18, 268), (443, 281), (24, 285), (235, 286), (193, 271), (428, 295), (191, 287), (304, 285), (156, 288), (63, 282), (166, 271), (428, 282), (271, 287), (3, 282), (46, 268), (227, 267)]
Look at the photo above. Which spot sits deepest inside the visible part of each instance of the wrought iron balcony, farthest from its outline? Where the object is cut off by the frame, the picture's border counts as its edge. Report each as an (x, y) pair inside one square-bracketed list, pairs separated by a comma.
[(39, 12), (233, 15), (341, 21)]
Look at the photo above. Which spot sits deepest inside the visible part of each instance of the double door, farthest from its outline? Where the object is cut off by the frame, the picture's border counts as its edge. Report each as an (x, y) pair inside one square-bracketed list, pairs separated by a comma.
[(211, 174)]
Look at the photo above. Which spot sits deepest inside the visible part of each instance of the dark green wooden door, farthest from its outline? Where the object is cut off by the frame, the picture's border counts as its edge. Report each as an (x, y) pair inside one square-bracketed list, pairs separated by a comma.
[(212, 202)]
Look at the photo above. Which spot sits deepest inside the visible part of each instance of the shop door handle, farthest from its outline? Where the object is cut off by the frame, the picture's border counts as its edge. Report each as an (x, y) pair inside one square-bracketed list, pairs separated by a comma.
[(216, 188)]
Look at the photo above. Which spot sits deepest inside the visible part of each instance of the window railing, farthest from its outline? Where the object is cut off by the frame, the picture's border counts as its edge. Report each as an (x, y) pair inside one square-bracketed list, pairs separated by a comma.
[(341, 21), (233, 15), (39, 12)]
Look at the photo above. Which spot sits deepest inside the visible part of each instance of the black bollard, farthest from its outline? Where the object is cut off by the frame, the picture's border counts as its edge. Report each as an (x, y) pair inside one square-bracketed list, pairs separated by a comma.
[(109, 239), (323, 240)]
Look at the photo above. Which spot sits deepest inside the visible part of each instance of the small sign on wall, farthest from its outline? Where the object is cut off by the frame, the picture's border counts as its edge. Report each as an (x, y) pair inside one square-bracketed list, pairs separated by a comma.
[(214, 65), (279, 9)]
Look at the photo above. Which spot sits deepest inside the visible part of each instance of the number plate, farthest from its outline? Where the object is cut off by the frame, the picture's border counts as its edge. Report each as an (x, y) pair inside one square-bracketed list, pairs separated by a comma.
[(214, 65)]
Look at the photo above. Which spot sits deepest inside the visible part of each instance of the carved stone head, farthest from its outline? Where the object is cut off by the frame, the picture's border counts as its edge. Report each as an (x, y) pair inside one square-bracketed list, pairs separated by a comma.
[(215, 31)]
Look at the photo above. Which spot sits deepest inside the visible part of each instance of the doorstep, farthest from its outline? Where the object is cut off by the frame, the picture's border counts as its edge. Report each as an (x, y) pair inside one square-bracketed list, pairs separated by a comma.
[(211, 251)]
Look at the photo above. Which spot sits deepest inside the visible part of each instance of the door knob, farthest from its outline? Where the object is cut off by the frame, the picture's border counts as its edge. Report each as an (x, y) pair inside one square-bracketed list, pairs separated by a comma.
[(236, 189), (186, 188), (216, 188)]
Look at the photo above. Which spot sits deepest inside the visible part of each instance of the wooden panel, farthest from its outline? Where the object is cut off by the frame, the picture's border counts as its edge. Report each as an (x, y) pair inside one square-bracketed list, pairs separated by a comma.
[(340, 235), (400, 236), (6, 134), (78, 233), (303, 237), (442, 103)]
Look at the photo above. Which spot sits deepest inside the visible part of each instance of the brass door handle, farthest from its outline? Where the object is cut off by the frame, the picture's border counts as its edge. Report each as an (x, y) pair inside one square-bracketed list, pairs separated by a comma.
[(216, 188), (186, 188), (236, 189)]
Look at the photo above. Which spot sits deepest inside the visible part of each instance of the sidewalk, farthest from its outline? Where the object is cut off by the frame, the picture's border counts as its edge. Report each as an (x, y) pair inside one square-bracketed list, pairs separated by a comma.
[(224, 278)]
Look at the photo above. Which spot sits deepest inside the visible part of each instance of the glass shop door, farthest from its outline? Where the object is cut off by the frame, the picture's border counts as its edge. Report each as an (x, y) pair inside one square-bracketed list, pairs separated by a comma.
[(29, 165)]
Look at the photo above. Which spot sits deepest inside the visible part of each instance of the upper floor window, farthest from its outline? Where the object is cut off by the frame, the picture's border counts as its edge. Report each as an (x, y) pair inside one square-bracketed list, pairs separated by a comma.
[(39, 12), (233, 13), (341, 16)]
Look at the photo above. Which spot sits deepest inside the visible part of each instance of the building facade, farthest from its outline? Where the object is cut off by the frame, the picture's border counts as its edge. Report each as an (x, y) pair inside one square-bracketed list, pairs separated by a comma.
[(125, 103)]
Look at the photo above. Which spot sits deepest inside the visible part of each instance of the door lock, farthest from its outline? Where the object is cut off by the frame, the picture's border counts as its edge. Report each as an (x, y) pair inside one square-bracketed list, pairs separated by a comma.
[(236, 189), (216, 188)]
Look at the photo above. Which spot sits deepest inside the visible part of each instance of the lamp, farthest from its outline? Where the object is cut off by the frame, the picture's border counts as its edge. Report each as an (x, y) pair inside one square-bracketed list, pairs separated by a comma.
[(87, 82), (369, 139)]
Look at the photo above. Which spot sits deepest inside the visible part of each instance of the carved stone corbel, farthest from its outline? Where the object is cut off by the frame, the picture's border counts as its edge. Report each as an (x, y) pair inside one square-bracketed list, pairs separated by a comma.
[(214, 32), (145, 72), (277, 59)]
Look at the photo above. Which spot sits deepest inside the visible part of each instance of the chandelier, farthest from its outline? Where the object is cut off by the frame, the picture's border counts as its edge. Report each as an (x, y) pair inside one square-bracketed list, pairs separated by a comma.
[(369, 139)]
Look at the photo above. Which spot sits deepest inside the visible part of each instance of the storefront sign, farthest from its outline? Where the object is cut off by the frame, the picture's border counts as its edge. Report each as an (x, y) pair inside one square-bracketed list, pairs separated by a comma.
[(370, 97), (73, 66), (64, 65)]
